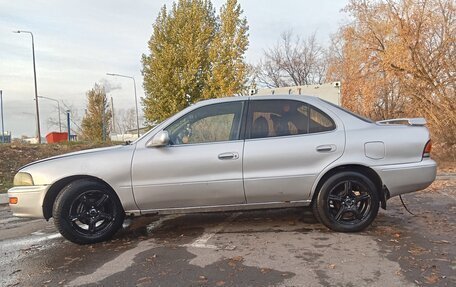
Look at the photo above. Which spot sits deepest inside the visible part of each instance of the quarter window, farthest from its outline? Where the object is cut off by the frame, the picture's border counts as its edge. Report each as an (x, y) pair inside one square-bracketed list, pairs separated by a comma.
[(213, 123), (319, 122), (273, 118)]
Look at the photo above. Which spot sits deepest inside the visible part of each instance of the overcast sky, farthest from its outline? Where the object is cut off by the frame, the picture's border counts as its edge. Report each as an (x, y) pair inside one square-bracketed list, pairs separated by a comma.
[(78, 42)]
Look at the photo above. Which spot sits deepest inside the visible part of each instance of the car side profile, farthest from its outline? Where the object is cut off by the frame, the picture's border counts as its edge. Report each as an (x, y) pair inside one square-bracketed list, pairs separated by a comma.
[(236, 153)]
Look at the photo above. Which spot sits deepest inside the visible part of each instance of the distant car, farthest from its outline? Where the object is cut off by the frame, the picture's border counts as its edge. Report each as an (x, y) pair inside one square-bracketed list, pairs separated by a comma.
[(236, 153)]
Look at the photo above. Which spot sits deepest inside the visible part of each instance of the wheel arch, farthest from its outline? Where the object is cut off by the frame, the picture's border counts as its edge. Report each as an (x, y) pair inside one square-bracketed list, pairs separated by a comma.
[(57, 186), (365, 170)]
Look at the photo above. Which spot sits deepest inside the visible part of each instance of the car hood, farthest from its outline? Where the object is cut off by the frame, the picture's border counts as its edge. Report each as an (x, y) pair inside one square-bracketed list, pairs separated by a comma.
[(76, 153)]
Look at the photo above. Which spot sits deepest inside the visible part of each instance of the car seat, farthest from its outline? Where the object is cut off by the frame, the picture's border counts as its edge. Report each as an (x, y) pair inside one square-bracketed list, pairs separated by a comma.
[(260, 128)]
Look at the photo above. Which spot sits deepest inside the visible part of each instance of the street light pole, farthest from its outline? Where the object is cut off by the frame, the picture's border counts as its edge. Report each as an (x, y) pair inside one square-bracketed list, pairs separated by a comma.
[(1, 109), (58, 107), (136, 98), (36, 88)]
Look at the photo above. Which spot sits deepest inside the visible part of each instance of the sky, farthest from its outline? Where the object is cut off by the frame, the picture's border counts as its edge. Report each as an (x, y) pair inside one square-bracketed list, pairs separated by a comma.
[(78, 42)]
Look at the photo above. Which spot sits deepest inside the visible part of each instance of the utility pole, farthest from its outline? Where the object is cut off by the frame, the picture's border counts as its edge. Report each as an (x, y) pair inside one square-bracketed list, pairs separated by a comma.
[(113, 129), (103, 123), (68, 124)]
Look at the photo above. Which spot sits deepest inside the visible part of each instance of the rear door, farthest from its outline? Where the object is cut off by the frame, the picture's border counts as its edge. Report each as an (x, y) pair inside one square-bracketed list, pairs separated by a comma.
[(288, 143)]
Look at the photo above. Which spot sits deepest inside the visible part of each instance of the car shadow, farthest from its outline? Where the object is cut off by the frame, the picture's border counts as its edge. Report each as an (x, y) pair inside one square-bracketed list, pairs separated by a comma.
[(192, 225)]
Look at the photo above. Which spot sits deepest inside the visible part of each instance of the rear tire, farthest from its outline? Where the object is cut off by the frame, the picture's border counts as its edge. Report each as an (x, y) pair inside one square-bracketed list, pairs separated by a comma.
[(87, 211), (347, 202)]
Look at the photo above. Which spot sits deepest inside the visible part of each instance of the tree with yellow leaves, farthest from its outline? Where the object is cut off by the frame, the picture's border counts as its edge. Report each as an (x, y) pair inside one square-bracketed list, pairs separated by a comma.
[(95, 123), (228, 71), (194, 55), (397, 58)]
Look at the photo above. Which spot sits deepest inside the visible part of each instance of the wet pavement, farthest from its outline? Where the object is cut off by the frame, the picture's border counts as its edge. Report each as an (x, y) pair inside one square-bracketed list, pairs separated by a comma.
[(259, 248)]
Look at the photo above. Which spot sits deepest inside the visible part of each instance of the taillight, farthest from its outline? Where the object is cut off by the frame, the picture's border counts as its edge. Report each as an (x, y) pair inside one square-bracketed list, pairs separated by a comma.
[(427, 149)]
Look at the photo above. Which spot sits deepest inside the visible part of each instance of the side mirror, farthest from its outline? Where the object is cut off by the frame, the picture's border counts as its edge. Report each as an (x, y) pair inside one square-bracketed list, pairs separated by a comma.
[(160, 139)]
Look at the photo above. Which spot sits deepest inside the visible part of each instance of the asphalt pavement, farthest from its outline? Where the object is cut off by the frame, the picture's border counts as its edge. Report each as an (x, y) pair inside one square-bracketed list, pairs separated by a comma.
[(285, 247), (3, 198)]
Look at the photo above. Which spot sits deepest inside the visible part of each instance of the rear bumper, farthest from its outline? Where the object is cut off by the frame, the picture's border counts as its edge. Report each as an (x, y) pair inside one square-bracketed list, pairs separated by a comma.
[(404, 178), (29, 200)]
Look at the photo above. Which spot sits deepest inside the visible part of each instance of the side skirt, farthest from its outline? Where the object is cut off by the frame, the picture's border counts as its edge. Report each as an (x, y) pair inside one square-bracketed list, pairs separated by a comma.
[(221, 208)]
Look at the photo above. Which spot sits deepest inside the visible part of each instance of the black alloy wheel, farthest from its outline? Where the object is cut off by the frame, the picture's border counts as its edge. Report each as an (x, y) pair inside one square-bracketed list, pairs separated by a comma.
[(87, 211), (347, 202), (92, 212)]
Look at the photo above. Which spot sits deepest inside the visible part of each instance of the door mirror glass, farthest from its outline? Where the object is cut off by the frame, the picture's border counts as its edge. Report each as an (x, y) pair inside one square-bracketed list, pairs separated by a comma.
[(160, 139)]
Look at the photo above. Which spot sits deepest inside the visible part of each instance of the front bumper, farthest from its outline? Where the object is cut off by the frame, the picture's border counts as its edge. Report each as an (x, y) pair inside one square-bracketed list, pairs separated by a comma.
[(405, 178), (30, 200)]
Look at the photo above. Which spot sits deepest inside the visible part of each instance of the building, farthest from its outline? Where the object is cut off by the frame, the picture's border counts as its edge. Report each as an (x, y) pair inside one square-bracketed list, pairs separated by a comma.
[(129, 135), (328, 91), (5, 138)]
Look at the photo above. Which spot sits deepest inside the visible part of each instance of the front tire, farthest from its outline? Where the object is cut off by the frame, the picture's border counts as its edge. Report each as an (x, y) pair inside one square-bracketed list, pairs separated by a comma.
[(87, 211), (347, 202)]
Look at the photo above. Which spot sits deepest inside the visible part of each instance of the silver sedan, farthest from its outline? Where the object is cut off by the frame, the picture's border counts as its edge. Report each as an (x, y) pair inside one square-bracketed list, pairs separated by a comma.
[(234, 153)]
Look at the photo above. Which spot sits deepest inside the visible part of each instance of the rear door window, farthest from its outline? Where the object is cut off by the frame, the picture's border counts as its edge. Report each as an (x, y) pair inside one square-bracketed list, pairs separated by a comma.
[(276, 118)]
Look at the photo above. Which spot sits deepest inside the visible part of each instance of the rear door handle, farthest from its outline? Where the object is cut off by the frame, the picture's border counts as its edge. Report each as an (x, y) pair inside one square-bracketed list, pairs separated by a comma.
[(228, 155), (326, 148)]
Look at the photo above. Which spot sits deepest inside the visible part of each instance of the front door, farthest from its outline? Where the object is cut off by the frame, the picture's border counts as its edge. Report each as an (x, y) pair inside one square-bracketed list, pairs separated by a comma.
[(202, 165)]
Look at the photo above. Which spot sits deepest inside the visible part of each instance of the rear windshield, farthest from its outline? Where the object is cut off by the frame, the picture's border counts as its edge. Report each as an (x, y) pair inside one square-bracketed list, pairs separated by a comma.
[(349, 112)]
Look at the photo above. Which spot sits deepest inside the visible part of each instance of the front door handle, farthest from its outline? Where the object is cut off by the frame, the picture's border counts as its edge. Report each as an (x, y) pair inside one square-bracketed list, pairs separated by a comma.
[(228, 155), (326, 148)]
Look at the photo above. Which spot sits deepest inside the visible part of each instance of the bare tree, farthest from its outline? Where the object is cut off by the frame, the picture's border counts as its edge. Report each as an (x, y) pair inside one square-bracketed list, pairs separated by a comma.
[(125, 119), (75, 118), (293, 62)]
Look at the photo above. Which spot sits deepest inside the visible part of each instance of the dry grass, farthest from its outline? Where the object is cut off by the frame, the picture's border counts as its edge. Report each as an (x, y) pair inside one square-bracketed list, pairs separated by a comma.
[(15, 155), (446, 157)]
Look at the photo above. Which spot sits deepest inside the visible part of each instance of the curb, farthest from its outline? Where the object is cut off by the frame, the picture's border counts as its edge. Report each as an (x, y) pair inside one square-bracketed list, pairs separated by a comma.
[(4, 198), (445, 176)]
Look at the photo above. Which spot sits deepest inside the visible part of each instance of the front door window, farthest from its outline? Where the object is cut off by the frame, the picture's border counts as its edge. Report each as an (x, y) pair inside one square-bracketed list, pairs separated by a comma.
[(213, 123)]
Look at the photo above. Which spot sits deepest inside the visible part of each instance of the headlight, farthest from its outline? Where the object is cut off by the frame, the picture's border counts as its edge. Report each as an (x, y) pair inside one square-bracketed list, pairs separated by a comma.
[(23, 178)]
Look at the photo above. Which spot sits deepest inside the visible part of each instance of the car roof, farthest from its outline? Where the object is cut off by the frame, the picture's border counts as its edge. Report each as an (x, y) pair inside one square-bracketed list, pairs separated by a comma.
[(263, 97), (354, 121)]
